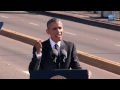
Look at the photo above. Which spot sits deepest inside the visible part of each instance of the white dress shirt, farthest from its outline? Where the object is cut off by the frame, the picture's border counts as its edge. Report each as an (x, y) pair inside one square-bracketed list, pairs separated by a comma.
[(52, 43)]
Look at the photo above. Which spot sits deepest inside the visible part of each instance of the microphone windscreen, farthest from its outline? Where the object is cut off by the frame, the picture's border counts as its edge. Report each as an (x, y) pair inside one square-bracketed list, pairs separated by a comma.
[(64, 52), (53, 53)]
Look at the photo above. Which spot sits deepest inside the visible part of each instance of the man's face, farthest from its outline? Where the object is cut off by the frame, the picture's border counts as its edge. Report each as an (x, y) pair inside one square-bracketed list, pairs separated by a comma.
[(55, 31)]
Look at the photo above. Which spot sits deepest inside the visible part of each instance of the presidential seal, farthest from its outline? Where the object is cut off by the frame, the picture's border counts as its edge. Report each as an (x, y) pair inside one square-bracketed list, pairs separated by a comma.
[(58, 77)]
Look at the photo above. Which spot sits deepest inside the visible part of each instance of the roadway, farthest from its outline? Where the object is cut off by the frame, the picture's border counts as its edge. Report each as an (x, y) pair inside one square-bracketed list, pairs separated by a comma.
[(94, 40), (15, 57)]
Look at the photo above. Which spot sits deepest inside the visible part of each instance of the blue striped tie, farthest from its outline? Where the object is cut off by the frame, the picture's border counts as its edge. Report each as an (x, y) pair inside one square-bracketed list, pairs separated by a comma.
[(56, 47)]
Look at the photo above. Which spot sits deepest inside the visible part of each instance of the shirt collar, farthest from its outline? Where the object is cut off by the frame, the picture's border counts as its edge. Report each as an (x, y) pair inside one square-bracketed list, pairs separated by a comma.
[(52, 43)]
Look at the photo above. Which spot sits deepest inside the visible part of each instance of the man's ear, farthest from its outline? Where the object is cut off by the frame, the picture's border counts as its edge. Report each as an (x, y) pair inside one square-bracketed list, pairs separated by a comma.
[(47, 31)]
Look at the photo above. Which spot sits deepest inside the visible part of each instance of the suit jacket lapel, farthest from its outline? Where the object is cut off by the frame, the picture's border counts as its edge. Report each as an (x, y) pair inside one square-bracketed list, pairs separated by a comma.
[(48, 46), (63, 45)]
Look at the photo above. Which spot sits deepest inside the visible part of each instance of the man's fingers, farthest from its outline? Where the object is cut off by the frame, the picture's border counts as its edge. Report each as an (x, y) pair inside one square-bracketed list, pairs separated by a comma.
[(89, 74), (38, 41), (38, 44)]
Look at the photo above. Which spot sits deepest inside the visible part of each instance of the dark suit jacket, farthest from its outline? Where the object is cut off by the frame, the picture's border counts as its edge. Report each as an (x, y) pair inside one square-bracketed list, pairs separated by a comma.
[(46, 63)]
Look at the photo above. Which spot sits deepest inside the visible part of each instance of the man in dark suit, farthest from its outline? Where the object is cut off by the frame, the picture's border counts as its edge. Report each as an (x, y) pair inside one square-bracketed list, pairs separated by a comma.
[(42, 60)]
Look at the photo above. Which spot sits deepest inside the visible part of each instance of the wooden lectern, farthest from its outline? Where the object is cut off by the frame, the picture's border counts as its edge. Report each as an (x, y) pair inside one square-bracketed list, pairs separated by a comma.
[(59, 74)]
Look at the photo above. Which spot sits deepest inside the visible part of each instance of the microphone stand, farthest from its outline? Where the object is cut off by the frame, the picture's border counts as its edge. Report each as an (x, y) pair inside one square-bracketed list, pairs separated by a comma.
[(58, 65), (59, 62)]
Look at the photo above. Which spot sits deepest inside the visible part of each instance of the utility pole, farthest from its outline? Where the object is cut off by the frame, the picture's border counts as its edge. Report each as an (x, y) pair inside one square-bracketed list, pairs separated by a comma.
[(102, 12)]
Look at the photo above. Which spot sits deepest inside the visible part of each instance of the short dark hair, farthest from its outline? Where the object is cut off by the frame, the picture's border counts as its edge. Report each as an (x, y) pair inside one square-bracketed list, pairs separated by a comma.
[(52, 20)]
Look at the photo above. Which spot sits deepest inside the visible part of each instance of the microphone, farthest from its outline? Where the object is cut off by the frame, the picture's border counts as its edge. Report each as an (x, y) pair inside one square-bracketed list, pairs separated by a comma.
[(54, 55), (63, 55)]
